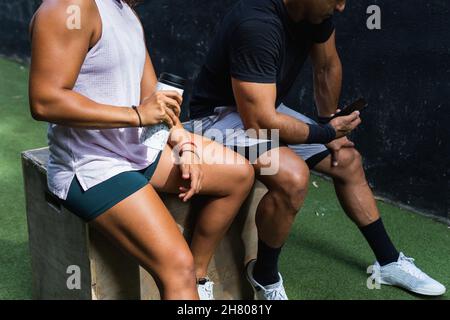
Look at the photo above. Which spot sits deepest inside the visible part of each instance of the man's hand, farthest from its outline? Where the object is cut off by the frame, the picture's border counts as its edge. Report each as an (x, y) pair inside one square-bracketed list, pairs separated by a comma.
[(335, 146), (190, 166), (345, 125)]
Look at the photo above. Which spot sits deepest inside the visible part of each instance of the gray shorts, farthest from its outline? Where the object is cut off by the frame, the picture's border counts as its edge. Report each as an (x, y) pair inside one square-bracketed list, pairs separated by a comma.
[(226, 118)]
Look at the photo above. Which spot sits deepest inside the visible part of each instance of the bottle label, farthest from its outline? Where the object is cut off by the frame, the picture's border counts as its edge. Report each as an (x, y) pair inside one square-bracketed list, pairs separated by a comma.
[(156, 136)]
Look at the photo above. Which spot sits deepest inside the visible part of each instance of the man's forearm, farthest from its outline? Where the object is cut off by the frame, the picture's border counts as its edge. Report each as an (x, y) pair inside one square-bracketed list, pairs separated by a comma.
[(294, 131), (327, 89)]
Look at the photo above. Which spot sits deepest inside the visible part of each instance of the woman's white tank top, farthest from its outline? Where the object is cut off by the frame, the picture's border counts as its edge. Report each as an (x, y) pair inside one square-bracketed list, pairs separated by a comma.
[(111, 74)]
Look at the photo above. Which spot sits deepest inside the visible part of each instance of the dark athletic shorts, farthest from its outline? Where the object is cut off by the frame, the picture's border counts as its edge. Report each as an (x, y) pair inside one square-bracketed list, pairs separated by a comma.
[(91, 203)]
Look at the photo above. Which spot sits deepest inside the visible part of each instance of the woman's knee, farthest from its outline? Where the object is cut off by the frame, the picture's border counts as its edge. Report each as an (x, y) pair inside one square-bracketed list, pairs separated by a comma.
[(245, 175), (178, 270), (241, 177)]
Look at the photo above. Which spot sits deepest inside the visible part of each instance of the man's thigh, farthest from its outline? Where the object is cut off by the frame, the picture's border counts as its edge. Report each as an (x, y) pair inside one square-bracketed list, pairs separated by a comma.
[(223, 127), (228, 122)]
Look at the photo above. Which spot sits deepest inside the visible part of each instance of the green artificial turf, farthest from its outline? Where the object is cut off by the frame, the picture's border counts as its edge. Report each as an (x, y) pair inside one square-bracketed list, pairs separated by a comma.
[(325, 257), (18, 132)]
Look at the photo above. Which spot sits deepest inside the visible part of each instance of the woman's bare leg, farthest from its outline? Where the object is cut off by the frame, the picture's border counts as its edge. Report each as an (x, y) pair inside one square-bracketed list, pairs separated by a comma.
[(228, 179), (143, 227)]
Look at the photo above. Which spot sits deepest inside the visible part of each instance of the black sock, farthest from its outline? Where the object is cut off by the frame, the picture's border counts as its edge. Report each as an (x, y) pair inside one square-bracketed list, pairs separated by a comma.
[(265, 271), (202, 280), (379, 241)]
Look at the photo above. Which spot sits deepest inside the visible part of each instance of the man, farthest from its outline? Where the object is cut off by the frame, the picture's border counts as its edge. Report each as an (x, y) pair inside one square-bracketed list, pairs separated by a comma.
[(254, 59)]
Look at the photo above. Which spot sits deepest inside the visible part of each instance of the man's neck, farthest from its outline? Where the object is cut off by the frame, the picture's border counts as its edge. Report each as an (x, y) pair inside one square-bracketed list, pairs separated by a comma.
[(295, 9)]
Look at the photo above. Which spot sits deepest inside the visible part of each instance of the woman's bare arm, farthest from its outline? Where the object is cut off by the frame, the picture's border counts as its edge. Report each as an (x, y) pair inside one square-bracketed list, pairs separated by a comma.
[(58, 53)]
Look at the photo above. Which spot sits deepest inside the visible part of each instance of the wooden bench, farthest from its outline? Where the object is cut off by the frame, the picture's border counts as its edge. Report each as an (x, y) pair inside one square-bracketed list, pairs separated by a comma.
[(58, 239)]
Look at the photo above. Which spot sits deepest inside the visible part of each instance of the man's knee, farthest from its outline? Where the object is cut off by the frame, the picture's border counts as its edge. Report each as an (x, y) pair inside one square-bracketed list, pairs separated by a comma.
[(350, 159), (350, 166), (292, 186)]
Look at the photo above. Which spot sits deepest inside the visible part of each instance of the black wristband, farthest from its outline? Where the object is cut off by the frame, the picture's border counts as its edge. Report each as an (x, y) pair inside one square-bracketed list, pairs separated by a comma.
[(323, 120), (139, 116), (321, 134)]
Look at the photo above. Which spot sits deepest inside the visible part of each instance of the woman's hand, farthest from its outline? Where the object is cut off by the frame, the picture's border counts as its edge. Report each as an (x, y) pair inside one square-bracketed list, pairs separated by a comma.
[(161, 107), (191, 169)]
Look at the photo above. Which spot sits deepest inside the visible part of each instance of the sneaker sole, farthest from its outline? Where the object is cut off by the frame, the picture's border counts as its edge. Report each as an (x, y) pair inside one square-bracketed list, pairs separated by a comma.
[(250, 281), (418, 291)]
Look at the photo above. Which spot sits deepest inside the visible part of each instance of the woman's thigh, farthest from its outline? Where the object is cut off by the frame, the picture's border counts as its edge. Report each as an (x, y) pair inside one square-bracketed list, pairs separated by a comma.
[(223, 169), (143, 227)]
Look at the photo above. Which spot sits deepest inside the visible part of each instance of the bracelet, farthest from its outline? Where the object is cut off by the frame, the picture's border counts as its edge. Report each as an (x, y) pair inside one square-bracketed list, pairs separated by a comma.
[(189, 150), (321, 134), (188, 142), (139, 116), (183, 144), (185, 149)]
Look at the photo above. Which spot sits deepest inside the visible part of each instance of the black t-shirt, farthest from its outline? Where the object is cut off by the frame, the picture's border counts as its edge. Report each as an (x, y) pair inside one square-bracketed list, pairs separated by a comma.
[(258, 42)]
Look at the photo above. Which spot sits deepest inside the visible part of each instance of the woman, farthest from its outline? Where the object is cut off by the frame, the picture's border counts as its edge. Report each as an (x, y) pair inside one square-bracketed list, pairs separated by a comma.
[(89, 70)]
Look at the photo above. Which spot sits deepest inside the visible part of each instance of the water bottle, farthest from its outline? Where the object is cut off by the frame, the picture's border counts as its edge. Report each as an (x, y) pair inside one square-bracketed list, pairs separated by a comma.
[(156, 136)]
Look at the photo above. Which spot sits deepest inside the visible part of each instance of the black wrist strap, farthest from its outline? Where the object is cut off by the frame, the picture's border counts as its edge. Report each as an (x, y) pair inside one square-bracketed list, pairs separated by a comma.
[(139, 116), (324, 120), (321, 134)]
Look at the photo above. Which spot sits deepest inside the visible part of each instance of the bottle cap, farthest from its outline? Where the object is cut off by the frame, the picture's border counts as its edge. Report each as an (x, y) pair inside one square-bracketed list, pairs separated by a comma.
[(172, 80)]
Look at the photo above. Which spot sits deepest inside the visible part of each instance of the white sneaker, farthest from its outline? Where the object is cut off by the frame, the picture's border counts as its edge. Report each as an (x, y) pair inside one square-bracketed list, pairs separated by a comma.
[(271, 292), (206, 289), (405, 274)]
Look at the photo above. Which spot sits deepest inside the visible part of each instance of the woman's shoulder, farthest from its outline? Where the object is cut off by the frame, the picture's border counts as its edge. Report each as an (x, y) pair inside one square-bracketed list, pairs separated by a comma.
[(65, 10), (66, 15), (66, 6)]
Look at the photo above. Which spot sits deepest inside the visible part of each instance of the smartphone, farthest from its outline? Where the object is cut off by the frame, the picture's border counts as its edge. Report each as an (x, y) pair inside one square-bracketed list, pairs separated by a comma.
[(358, 105)]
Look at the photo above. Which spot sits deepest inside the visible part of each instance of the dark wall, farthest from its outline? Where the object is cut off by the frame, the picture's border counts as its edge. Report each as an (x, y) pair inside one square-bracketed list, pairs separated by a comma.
[(403, 70), (14, 19)]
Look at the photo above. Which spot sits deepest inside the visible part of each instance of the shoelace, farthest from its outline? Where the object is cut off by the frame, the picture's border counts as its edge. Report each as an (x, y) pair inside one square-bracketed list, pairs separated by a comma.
[(275, 294), (208, 287), (407, 264)]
